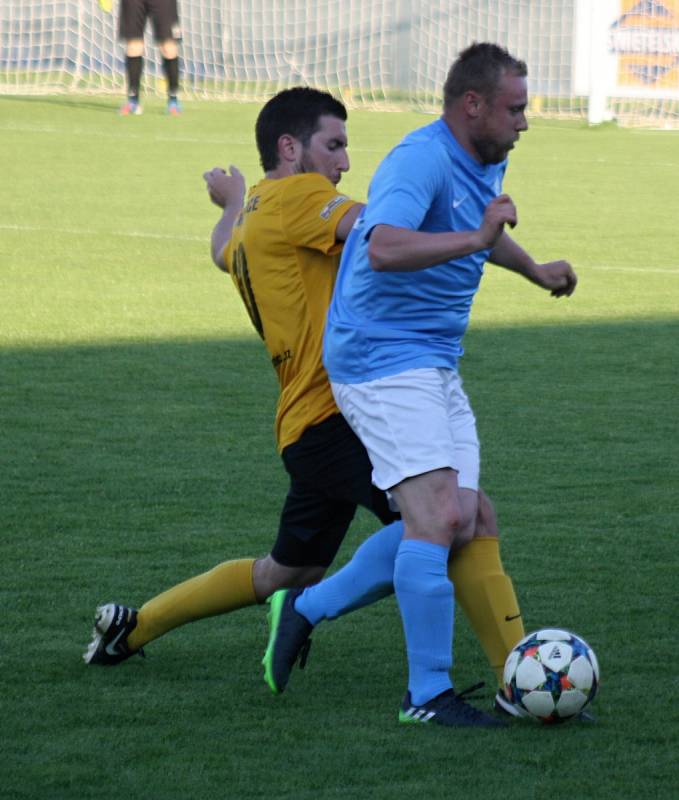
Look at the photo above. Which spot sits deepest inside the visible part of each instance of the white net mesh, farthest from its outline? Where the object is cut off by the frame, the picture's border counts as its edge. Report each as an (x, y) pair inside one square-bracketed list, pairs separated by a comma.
[(372, 53), (51, 46), (266, 46), (539, 31), (230, 50)]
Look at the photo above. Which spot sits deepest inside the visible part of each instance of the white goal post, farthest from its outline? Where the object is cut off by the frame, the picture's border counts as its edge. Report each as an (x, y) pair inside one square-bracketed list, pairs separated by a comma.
[(595, 59)]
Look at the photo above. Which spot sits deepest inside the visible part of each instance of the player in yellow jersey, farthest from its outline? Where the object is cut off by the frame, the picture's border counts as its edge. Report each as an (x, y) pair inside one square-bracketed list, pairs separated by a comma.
[(281, 246)]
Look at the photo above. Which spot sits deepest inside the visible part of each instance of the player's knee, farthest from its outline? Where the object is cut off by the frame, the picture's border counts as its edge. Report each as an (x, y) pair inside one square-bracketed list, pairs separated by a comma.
[(486, 518), (134, 48), (169, 49), (461, 537), (268, 576), (465, 526), (454, 528)]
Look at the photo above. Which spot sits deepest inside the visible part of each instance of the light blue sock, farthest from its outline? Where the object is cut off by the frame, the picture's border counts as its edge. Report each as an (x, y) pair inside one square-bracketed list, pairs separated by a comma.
[(425, 597), (368, 577)]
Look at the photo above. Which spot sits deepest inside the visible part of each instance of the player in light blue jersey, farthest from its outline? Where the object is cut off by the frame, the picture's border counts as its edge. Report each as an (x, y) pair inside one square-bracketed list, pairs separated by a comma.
[(410, 269), (383, 322)]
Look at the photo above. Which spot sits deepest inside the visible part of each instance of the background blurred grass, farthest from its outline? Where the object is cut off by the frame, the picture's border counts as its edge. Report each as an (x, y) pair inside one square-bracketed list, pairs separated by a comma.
[(137, 450)]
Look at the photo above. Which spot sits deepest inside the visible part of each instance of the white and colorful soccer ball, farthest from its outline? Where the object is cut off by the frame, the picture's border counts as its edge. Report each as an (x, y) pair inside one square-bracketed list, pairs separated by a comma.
[(551, 675)]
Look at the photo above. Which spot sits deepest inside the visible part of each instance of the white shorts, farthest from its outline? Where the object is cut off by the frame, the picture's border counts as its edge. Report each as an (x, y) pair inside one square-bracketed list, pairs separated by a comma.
[(411, 423)]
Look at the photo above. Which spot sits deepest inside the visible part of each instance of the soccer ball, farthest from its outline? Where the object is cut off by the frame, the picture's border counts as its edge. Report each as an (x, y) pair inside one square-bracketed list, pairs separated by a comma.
[(551, 675)]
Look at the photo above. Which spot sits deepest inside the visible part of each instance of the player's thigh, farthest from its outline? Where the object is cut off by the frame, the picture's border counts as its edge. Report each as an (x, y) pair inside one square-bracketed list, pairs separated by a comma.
[(165, 20), (330, 457), (132, 19), (413, 423), (312, 527)]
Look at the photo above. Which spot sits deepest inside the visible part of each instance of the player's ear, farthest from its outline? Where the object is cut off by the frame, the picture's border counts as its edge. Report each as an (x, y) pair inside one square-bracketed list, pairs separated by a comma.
[(288, 148), (472, 102)]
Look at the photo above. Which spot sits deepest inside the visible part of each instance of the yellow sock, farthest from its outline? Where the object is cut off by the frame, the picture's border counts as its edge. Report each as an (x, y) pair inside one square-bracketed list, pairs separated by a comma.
[(224, 588), (487, 597)]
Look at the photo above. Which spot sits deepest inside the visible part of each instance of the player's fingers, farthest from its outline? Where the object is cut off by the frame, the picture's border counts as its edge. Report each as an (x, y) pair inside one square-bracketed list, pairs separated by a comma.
[(510, 216), (571, 283), (566, 289)]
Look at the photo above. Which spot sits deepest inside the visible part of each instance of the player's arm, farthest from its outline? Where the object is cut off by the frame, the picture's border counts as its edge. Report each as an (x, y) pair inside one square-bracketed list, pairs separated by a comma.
[(556, 276), (314, 215), (346, 223), (226, 191), (393, 249)]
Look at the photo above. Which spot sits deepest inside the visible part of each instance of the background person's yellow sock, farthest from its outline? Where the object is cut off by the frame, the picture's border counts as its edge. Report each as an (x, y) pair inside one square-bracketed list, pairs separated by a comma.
[(487, 597), (226, 587)]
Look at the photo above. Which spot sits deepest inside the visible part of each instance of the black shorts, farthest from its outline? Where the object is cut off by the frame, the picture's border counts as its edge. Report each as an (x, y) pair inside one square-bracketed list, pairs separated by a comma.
[(330, 476), (163, 13)]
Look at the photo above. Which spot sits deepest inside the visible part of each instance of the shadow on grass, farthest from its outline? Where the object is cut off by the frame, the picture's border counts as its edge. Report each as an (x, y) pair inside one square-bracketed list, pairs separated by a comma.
[(107, 103), (128, 467), (127, 429), (165, 414)]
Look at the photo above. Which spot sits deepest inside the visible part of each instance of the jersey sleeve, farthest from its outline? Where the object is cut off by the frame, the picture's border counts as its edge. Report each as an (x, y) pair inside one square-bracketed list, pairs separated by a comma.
[(403, 188), (311, 208)]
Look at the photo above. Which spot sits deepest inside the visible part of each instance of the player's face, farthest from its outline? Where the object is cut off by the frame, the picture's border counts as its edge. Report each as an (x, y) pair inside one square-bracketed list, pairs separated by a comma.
[(501, 121), (326, 151)]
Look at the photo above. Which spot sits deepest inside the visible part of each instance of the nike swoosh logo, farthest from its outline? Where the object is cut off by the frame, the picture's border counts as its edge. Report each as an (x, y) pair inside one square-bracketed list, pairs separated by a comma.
[(509, 619), (457, 203), (111, 646)]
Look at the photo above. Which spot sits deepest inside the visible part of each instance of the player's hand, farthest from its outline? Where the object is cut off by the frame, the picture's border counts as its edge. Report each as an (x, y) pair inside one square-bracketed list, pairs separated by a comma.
[(499, 212), (225, 190), (106, 6), (558, 277)]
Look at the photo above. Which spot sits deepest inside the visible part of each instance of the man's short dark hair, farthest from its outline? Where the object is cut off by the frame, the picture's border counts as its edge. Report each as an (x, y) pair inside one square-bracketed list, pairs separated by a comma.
[(296, 112), (480, 68)]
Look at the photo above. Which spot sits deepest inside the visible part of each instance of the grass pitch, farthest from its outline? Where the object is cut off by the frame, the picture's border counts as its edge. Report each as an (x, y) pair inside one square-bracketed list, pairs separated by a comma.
[(137, 450)]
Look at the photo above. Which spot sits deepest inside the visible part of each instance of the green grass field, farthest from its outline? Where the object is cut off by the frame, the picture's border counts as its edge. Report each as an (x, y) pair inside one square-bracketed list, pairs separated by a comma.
[(137, 450)]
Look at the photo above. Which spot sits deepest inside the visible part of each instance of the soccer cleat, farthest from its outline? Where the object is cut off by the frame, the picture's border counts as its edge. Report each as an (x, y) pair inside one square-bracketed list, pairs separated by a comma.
[(131, 108), (289, 639), (448, 709), (112, 625), (174, 108), (508, 709)]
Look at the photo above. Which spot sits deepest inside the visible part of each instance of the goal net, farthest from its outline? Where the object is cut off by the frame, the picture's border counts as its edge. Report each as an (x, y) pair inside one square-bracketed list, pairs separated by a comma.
[(587, 58), (243, 50), (540, 32)]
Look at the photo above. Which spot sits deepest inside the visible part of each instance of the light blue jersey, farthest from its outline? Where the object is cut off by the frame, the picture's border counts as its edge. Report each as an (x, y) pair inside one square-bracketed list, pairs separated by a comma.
[(383, 323)]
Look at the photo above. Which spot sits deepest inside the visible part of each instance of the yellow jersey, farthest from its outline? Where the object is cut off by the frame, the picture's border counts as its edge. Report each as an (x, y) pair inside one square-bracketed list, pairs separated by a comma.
[(283, 257)]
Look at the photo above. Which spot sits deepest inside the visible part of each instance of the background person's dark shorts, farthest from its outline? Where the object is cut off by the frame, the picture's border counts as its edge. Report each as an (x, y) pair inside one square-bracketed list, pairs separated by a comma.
[(164, 17), (330, 475)]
